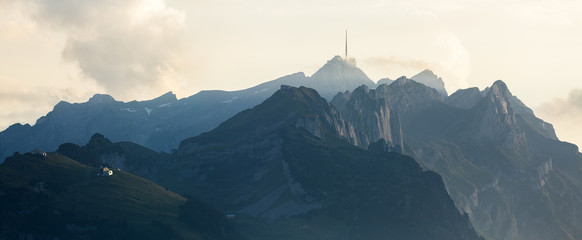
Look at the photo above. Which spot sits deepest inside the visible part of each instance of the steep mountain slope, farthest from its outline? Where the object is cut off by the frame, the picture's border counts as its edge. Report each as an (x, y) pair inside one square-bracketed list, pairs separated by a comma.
[(517, 150), (468, 98), (370, 117), (48, 197), (381, 113), (163, 122), (284, 165), (497, 159)]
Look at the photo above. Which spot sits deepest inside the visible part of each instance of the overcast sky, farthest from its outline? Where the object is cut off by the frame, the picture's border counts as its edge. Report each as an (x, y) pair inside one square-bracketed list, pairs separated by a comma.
[(53, 50)]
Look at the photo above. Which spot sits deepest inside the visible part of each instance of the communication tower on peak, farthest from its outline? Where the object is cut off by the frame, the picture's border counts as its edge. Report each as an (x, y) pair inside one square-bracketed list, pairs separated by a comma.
[(346, 44), (346, 58)]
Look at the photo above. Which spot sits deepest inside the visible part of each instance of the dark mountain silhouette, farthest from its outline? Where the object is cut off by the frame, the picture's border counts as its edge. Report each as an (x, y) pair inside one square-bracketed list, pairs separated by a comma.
[(55, 197)]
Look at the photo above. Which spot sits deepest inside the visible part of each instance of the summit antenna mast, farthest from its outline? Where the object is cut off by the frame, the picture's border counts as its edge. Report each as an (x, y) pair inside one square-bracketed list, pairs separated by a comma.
[(346, 44)]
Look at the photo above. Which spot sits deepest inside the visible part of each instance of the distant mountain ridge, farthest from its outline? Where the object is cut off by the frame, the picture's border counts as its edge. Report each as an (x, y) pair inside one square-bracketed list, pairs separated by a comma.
[(428, 78), (161, 123)]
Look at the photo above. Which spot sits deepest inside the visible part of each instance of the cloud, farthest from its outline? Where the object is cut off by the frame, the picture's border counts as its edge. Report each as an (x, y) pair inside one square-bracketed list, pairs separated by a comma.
[(569, 107), (440, 52), (24, 104), (20, 104), (566, 115), (129, 47), (402, 62)]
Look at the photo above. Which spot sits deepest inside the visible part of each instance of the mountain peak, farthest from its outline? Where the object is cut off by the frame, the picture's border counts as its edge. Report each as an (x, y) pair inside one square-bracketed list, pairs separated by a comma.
[(465, 98), (338, 75), (386, 81), (498, 122), (101, 98), (500, 86), (339, 65), (294, 107), (428, 78), (499, 91), (300, 93), (169, 96), (427, 72)]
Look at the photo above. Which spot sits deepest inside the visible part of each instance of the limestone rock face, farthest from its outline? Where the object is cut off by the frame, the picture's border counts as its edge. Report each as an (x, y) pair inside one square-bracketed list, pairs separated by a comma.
[(498, 122), (470, 97), (368, 112)]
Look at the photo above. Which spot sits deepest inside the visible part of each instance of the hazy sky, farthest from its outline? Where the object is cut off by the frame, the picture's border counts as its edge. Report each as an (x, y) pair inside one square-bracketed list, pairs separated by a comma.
[(52, 50)]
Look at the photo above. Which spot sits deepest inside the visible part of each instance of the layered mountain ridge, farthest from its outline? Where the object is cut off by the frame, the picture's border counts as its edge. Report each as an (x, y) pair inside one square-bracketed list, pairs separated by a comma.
[(497, 159), (287, 162), (161, 123)]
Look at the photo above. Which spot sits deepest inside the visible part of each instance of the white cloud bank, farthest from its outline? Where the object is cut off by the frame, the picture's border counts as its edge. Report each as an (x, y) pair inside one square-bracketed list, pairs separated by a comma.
[(132, 48), (566, 115)]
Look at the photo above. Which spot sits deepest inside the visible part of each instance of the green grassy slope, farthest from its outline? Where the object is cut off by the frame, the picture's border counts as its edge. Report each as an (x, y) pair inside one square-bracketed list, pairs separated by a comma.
[(57, 197)]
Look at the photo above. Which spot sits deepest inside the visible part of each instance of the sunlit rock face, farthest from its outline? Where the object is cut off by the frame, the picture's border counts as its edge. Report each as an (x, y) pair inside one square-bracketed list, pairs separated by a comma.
[(498, 122)]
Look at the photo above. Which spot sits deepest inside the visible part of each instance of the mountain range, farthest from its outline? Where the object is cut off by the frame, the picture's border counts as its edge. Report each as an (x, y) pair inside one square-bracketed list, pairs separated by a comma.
[(306, 163), (285, 170), (163, 122), (496, 157)]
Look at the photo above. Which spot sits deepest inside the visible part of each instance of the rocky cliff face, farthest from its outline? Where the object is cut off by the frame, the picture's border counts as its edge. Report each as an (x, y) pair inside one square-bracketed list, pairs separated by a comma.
[(376, 114), (497, 158), (497, 122), (369, 114)]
